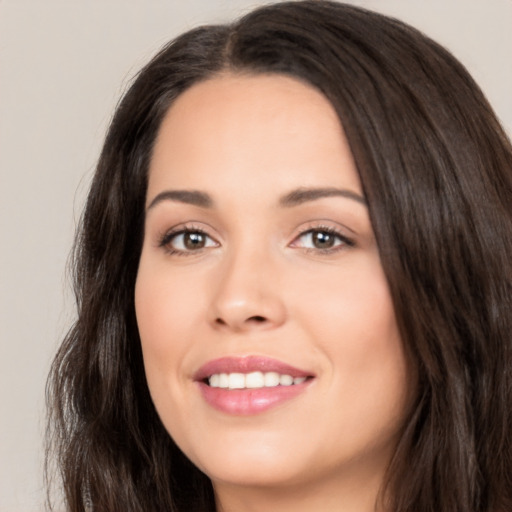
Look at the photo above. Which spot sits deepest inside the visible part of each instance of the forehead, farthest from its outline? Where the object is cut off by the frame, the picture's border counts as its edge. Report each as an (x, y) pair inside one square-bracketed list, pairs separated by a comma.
[(254, 127)]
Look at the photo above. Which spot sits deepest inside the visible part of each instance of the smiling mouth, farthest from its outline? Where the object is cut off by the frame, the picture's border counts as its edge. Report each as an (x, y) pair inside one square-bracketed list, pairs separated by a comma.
[(252, 380), (249, 385)]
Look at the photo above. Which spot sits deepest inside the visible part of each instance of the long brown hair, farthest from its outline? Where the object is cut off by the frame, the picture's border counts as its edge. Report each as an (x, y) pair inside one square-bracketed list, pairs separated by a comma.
[(436, 168)]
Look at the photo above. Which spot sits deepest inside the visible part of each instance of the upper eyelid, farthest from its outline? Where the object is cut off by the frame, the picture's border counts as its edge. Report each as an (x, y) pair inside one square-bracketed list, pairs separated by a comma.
[(344, 238), (327, 222), (184, 227), (324, 224), (166, 240)]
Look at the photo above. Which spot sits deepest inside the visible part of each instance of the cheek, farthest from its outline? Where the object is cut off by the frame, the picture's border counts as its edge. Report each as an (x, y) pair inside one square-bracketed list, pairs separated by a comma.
[(351, 304), (166, 309), (353, 321), (152, 299), (164, 319)]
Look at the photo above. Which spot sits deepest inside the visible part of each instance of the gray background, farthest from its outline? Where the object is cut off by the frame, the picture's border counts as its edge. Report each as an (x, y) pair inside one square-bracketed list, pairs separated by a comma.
[(63, 66)]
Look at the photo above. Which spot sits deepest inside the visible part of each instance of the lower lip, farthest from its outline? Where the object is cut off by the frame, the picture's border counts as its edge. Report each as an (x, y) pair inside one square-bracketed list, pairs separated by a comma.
[(244, 402)]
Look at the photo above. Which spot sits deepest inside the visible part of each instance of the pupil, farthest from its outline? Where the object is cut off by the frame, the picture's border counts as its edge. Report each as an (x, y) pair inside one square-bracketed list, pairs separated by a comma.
[(322, 240), (194, 240)]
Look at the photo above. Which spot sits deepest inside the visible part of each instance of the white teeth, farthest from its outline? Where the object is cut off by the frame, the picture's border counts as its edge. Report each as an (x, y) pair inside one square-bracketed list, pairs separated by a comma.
[(214, 380), (271, 379), (253, 380), (286, 380), (236, 381), (223, 380)]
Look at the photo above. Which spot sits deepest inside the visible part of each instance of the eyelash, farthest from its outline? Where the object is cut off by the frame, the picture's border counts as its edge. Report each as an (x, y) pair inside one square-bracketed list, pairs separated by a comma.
[(169, 236), (345, 241), (166, 239)]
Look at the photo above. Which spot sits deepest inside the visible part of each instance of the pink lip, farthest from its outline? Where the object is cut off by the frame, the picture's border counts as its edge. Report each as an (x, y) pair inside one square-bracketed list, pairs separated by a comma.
[(248, 364), (249, 401)]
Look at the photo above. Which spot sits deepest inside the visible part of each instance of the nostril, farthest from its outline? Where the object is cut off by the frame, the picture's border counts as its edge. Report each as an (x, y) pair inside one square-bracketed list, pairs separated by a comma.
[(257, 319), (241, 323)]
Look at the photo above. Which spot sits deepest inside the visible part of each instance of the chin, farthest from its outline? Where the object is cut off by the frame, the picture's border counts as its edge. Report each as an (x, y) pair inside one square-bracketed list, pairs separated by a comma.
[(255, 474), (254, 462)]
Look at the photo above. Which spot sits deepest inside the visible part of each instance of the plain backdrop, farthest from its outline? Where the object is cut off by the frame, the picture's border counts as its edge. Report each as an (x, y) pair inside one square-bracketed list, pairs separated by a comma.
[(63, 66)]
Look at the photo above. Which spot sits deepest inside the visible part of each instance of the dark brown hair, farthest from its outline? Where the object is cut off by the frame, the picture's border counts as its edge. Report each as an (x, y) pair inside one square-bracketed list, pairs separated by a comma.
[(436, 168)]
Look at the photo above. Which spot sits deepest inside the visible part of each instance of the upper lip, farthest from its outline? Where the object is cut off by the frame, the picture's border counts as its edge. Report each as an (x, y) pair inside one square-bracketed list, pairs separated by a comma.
[(247, 364)]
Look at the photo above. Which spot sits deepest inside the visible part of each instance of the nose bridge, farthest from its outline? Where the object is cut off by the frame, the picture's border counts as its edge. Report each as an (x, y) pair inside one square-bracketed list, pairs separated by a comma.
[(247, 293)]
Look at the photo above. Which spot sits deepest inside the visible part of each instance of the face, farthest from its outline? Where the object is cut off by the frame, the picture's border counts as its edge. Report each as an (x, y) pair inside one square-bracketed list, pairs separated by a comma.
[(269, 338)]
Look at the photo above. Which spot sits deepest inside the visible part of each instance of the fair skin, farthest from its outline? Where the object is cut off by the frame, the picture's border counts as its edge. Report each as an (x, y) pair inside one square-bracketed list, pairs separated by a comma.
[(244, 265)]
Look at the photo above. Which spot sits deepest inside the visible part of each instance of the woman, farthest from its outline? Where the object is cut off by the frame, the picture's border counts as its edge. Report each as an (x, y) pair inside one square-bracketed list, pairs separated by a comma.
[(293, 279)]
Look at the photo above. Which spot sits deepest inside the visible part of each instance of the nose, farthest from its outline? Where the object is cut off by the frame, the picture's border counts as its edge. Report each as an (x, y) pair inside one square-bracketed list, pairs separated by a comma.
[(248, 295)]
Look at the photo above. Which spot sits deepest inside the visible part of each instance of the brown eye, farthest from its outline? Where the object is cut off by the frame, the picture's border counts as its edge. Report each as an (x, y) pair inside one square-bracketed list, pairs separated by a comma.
[(193, 241), (187, 241), (323, 239)]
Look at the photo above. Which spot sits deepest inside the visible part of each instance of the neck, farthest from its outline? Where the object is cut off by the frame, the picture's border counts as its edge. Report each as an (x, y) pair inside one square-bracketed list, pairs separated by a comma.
[(353, 493)]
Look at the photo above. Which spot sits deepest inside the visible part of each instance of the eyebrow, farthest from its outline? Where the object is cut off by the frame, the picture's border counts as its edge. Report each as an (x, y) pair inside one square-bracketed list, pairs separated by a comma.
[(294, 198), (193, 197), (303, 195)]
